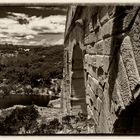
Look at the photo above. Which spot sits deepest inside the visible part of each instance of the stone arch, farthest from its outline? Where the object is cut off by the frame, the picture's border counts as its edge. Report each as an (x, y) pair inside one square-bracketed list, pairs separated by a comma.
[(78, 94)]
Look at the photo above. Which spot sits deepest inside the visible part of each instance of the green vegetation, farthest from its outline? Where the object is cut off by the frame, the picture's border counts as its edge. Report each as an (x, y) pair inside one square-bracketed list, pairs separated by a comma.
[(30, 65), (19, 118), (25, 121)]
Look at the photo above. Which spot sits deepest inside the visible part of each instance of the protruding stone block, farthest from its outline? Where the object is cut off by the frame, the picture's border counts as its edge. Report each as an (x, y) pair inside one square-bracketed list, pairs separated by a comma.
[(107, 29), (91, 38), (129, 63), (103, 14), (123, 83)]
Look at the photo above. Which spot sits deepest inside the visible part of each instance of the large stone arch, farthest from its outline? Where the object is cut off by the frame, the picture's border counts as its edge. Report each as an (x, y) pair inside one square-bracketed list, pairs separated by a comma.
[(78, 94)]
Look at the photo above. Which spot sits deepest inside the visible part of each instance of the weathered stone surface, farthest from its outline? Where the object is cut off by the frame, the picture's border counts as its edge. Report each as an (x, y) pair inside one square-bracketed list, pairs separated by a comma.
[(98, 34), (107, 29), (108, 46), (116, 97), (93, 83), (89, 101), (87, 30), (99, 92), (124, 20), (90, 49), (123, 83), (111, 43), (99, 60), (99, 47), (90, 59), (135, 39), (101, 127), (99, 104), (91, 38), (111, 63), (95, 21), (106, 63), (103, 14), (91, 94), (90, 26), (92, 71), (91, 114), (129, 63), (111, 11)]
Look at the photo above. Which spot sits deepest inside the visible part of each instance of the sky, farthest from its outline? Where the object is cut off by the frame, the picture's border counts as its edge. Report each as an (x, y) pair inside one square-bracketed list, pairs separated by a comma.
[(32, 25)]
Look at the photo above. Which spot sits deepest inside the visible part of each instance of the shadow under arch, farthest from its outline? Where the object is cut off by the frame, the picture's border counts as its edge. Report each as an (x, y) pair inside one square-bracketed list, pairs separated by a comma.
[(78, 94)]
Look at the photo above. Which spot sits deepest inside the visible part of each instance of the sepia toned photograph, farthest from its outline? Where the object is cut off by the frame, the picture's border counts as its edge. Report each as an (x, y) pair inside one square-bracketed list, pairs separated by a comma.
[(69, 69)]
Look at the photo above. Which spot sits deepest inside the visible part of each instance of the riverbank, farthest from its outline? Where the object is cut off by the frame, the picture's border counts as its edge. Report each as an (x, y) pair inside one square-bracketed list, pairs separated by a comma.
[(35, 120)]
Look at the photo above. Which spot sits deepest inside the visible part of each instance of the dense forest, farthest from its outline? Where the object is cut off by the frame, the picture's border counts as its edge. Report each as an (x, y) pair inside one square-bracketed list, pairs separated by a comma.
[(30, 65)]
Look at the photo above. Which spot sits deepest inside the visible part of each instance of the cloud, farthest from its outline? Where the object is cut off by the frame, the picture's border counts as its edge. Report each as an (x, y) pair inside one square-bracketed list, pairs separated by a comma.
[(11, 26), (44, 42), (59, 42), (17, 15), (12, 29), (2, 36), (10, 40), (29, 37), (51, 24)]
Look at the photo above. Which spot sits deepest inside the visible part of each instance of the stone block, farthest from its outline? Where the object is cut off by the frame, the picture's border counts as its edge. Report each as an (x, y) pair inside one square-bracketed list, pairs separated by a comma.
[(107, 28), (129, 63), (103, 14), (86, 29), (91, 38), (111, 43), (96, 115), (91, 94), (90, 49), (92, 71), (137, 57), (108, 46), (101, 125), (90, 26), (85, 66), (93, 83), (135, 39), (99, 47), (99, 104), (99, 92), (123, 83), (91, 60), (117, 102), (98, 34), (111, 11), (106, 62), (95, 21), (89, 101), (123, 21), (91, 114), (99, 60)]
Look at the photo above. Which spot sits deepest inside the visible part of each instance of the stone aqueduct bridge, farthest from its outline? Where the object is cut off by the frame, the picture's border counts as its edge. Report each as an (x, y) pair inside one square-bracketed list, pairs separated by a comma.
[(102, 66)]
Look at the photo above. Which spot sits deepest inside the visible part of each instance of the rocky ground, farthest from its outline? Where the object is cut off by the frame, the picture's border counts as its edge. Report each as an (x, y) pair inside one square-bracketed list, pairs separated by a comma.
[(37, 120)]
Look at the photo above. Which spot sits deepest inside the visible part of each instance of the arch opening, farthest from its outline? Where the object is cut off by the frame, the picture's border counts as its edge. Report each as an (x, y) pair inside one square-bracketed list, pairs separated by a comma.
[(78, 94)]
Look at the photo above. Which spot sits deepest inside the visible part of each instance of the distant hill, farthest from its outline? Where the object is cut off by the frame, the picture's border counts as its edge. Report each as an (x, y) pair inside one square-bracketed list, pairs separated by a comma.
[(30, 64)]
